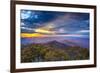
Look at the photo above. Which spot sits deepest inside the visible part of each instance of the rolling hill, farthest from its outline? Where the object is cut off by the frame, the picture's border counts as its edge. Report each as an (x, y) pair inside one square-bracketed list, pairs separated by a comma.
[(53, 51)]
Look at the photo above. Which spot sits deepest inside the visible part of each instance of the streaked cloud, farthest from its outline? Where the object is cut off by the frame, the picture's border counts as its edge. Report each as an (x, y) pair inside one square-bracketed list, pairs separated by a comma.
[(83, 31), (54, 24), (28, 29)]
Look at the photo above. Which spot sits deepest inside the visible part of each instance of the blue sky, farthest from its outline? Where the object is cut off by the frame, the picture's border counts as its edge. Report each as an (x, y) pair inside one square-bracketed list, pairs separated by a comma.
[(55, 23)]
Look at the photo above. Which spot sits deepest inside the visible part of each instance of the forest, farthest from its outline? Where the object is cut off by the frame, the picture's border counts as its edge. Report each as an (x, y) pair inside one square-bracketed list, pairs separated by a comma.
[(52, 51)]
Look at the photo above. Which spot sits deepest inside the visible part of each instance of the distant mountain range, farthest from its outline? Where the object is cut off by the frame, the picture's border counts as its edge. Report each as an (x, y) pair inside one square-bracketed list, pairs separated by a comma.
[(80, 43), (83, 43), (53, 51)]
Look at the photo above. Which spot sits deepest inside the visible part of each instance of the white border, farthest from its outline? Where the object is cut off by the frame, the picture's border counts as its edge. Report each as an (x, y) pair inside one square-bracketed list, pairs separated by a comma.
[(59, 63)]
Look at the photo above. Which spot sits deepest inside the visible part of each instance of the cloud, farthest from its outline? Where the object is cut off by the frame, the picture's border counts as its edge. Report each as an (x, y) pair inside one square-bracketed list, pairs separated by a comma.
[(69, 24), (61, 31), (47, 36), (26, 28), (66, 35), (82, 31), (25, 14), (22, 24)]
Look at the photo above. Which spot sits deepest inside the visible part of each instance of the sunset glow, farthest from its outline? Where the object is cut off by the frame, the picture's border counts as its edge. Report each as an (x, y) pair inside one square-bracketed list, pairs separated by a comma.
[(44, 31), (30, 35)]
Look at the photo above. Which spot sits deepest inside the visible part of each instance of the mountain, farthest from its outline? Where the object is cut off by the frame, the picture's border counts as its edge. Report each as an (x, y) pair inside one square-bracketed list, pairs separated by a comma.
[(83, 43), (51, 44), (70, 43), (56, 44), (53, 51)]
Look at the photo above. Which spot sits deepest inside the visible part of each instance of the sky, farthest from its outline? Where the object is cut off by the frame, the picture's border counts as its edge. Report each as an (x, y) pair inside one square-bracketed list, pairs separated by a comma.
[(38, 24)]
